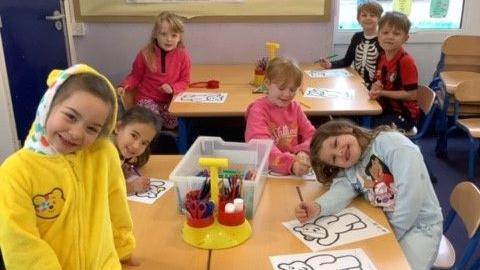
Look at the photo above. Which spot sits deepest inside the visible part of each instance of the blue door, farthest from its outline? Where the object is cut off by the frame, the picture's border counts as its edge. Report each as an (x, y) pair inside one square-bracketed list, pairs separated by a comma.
[(34, 43)]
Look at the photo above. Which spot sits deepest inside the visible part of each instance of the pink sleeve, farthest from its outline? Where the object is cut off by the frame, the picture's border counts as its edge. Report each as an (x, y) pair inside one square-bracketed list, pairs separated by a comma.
[(257, 128), (184, 78), (305, 132), (138, 69)]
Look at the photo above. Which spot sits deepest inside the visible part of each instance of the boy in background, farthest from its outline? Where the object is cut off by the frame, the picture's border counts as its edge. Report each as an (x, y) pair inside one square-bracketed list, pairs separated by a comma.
[(396, 77), (364, 49)]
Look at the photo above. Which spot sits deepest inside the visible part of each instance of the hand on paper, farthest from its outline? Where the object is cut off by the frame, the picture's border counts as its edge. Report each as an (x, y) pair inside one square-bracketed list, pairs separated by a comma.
[(139, 184), (301, 166), (324, 63), (306, 211)]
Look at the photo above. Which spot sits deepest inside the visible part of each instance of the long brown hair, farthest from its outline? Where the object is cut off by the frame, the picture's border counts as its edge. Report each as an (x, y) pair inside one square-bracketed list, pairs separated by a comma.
[(176, 26), (325, 172)]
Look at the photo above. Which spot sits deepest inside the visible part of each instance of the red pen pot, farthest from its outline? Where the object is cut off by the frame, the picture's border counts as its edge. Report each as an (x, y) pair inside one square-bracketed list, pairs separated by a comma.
[(230, 219), (200, 222)]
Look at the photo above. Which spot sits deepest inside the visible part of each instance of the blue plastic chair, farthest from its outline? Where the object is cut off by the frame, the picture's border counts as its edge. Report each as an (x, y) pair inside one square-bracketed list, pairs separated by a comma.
[(427, 102), (464, 202), (467, 92)]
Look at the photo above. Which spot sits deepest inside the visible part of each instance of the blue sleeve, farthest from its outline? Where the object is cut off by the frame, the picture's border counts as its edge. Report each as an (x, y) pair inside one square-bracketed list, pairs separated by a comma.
[(339, 196), (411, 188)]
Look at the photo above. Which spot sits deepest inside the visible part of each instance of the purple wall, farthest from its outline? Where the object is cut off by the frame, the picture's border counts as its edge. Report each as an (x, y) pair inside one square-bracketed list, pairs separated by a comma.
[(111, 48)]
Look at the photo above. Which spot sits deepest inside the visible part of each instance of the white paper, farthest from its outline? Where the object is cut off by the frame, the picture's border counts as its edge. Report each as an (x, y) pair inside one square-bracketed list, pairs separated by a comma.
[(346, 226), (328, 73), (335, 259), (197, 97), (312, 92), (158, 187), (310, 176)]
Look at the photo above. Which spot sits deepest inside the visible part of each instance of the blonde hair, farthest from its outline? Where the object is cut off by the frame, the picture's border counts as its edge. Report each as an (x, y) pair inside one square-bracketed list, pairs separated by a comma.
[(176, 26), (282, 70), (325, 172), (371, 7)]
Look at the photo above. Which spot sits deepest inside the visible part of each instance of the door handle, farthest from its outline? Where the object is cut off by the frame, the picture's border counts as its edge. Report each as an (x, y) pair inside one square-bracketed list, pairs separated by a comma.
[(57, 15)]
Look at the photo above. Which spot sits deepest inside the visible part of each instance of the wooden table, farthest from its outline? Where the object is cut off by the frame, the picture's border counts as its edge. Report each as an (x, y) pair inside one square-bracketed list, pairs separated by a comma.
[(158, 227), (234, 80), (160, 245)]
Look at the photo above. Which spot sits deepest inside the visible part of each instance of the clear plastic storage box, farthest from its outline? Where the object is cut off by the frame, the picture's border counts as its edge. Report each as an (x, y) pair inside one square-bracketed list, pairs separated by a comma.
[(242, 157)]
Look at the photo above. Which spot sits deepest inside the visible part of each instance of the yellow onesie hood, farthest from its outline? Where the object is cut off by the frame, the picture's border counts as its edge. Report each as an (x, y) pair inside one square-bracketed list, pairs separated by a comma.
[(37, 140)]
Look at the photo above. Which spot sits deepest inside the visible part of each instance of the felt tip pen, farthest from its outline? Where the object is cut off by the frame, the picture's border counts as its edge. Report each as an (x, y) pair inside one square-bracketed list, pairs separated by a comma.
[(136, 170)]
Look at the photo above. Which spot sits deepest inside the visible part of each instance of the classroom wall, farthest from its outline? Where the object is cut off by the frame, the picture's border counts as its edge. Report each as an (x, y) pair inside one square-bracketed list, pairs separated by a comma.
[(111, 48)]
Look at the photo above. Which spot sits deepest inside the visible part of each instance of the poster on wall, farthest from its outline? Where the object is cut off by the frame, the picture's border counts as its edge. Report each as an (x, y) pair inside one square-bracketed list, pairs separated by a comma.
[(439, 8), (404, 6)]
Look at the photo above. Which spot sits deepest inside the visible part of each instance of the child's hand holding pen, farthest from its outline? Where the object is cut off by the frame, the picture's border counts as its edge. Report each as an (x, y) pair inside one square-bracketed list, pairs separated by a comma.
[(325, 62), (306, 210), (138, 183), (301, 165)]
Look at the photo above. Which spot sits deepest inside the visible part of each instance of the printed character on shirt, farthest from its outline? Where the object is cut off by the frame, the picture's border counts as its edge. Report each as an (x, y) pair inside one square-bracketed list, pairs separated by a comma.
[(161, 69), (278, 117)]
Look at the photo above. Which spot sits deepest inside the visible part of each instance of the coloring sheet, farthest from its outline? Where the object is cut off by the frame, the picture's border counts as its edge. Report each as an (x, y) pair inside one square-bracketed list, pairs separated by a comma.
[(158, 187), (310, 176), (346, 226), (328, 73), (197, 97), (312, 92), (326, 260)]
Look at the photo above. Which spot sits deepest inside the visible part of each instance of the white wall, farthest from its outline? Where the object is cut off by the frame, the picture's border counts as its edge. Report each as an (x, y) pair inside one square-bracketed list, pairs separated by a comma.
[(8, 133)]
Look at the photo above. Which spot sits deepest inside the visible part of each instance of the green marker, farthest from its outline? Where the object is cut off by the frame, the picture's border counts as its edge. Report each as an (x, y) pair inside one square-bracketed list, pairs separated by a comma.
[(328, 58)]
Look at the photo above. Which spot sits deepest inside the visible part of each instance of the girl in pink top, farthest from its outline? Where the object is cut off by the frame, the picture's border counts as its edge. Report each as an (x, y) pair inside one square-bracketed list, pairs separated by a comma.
[(278, 117), (161, 69)]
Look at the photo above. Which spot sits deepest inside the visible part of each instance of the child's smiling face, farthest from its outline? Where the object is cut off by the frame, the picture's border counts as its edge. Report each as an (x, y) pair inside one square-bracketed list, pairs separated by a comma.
[(368, 21), (391, 39), (133, 138), (279, 95), (76, 122), (166, 38), (342, 151)]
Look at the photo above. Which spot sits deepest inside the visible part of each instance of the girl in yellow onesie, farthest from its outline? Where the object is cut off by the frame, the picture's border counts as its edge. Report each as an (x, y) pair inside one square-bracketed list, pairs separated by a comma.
[(63, 201)]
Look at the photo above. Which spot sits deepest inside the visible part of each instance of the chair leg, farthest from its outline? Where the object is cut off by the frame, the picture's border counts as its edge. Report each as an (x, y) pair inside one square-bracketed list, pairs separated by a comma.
[(440, 148), (472, 157), (469, 249), (476, 265)]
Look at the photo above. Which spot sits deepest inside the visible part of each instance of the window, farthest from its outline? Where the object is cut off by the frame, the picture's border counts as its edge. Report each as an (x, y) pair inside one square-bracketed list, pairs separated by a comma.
[(422, 16)]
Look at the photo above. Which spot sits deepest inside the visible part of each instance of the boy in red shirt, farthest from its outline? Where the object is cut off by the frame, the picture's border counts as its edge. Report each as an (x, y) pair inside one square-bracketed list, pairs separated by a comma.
[(396, 78)]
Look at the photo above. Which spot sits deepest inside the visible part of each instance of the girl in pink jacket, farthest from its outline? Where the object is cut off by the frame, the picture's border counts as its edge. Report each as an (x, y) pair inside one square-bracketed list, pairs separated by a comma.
[(278, 117), (161, 69)]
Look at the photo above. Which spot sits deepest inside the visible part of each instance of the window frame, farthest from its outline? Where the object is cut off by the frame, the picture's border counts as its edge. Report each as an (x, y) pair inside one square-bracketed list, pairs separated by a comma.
[(469, 21)]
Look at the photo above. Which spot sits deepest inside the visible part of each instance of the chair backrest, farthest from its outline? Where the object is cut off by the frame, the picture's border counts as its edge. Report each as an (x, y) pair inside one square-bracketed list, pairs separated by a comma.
[(465, 200), (426, 101), (468, 91), (462, 53), (425, 98)]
